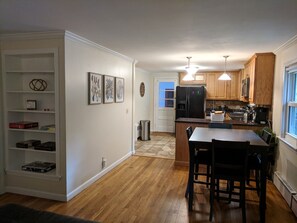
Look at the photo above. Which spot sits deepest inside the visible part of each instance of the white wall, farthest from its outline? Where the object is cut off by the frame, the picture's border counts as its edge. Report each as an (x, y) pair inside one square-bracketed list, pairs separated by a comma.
[(142, 104), (287, 157), (94, 131)]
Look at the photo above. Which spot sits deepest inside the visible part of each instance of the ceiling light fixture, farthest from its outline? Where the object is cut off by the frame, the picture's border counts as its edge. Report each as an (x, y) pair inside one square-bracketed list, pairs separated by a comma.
[(191, 71), (225, 76)]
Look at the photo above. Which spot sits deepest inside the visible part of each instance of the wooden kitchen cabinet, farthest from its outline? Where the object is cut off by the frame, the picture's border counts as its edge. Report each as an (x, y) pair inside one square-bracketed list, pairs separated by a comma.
[(222, 90), (216, 89), (260, 70), (233, 86)]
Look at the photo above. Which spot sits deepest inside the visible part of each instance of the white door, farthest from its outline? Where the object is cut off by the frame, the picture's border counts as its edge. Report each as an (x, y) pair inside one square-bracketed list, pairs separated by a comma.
[(164, 104)]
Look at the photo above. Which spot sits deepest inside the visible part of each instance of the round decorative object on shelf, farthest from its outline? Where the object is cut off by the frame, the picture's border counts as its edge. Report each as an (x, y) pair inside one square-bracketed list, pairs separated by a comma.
[(142, 89), (38, 85)]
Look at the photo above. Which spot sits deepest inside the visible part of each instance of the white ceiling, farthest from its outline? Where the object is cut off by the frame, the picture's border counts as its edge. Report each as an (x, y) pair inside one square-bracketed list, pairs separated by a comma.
[(160, 34)]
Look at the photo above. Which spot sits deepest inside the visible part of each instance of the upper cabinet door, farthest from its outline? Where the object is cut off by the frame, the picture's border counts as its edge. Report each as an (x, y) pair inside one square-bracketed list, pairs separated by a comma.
[(233, 86), (216, 89), (260, 69)]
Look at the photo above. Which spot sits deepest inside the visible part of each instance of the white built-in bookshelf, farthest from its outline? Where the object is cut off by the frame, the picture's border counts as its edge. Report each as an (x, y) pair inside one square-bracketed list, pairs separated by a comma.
[(19, 68)]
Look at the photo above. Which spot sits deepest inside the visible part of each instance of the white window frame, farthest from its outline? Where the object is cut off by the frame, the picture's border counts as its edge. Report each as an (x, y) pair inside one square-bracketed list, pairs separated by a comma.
[(289, 90), (164, 99)]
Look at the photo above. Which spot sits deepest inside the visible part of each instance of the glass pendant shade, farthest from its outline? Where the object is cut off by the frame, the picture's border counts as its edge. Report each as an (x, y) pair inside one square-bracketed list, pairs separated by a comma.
[(225, 76), (188, 77), (191, 71)]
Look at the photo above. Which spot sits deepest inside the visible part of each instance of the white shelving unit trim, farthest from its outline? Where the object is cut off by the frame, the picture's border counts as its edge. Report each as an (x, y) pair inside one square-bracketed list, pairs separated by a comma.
[(51, 175), (31, 111), (32, 130), (31, 149), (31, 92), (31, 71)]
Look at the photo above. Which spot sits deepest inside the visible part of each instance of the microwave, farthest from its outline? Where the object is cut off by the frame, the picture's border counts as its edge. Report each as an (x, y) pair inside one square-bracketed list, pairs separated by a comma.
[(245, 87)]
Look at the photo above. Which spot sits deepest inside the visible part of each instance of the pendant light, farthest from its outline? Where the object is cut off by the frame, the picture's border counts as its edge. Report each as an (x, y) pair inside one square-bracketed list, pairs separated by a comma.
[(225, 76), (191, 71)]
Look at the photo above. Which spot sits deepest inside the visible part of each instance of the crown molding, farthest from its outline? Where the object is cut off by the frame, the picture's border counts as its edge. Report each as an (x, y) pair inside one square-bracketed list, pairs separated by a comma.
[(81, 39), (286, 44), (33, 35), (60, 34)]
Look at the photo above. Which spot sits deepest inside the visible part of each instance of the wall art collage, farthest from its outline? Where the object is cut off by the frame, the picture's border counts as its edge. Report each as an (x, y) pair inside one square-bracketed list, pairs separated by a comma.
[(105, 89)]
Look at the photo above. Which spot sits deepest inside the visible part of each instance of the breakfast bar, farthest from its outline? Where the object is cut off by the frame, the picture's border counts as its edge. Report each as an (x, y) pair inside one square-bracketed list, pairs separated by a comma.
[(182, 150), (202, 138)]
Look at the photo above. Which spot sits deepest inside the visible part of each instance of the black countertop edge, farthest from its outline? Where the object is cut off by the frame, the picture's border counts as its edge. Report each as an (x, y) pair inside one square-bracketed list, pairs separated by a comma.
[(206, 121)]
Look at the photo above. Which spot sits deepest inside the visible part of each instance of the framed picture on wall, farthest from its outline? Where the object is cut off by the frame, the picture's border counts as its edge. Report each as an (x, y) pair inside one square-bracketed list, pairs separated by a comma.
[(95, 88), (120, 89), (108, 89)]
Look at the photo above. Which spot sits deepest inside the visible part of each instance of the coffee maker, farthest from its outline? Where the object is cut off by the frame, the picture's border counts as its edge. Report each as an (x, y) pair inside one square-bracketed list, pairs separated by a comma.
[(261, 115)]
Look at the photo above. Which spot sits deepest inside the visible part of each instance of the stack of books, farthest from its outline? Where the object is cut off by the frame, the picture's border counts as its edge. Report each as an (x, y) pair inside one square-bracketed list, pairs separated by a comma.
[(23, 125), (39, 166)]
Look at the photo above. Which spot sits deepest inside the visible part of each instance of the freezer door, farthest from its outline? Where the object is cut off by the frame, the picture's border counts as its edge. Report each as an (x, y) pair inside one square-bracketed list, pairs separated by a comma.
[(196, 102), (181, 102)]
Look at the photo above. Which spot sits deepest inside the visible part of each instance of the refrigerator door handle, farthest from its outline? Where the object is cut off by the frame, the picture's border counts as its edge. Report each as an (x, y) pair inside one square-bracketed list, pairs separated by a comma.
[(188, 105)]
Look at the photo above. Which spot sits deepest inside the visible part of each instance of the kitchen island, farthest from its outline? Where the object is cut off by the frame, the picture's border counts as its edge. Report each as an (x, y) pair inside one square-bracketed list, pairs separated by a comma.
[(181, 141)]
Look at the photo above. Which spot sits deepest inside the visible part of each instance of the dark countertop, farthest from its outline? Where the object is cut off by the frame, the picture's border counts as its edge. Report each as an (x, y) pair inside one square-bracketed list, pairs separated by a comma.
[(206, 121)]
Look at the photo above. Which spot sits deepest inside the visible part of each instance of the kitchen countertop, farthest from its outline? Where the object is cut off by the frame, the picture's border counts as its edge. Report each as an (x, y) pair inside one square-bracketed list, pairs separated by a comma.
[(206, 121)]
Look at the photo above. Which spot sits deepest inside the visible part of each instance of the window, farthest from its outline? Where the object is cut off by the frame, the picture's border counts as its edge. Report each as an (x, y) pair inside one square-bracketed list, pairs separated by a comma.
[(166, 94), (291, 102)]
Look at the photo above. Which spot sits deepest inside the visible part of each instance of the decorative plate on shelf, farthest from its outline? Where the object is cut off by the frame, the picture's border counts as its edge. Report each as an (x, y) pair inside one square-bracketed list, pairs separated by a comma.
[(142, 89)]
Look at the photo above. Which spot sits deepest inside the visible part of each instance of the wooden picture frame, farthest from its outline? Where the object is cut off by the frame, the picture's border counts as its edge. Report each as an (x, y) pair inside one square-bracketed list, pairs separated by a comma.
[(95, 88), (142, 89), (119, 89), (108, 89), (31, 105)]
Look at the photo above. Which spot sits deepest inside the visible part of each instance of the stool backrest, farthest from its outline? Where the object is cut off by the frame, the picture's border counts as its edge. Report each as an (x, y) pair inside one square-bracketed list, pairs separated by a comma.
[(229, 158), (266, 136), (189, 131), (220, 125)]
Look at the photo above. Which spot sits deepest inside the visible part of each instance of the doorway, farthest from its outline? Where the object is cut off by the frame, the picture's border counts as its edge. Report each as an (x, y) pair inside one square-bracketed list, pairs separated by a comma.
[(164, 104)]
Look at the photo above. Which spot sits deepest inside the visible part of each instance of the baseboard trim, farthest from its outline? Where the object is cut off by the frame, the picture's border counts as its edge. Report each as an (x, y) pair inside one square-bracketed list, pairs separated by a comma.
[(284, 188), (35, 193), (86, 184), (63, 197), (294, 205)]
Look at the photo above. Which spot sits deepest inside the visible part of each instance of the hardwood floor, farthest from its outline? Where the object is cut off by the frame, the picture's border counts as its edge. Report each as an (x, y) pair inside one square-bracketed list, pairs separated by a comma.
[(145, 189)]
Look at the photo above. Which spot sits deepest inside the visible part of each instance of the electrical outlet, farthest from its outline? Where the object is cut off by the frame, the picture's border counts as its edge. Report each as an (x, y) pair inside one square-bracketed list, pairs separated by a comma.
[(103, 162)]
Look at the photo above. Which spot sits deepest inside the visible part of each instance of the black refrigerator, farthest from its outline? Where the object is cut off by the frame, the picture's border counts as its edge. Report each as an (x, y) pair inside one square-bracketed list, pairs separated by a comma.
[(190, 102)]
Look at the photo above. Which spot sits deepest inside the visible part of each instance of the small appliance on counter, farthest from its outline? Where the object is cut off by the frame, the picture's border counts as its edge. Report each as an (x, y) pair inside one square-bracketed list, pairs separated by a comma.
[(217, 116), (261, 115)]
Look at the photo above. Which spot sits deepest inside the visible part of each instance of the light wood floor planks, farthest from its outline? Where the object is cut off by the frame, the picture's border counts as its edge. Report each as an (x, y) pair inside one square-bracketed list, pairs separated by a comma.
[(144, 189)]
